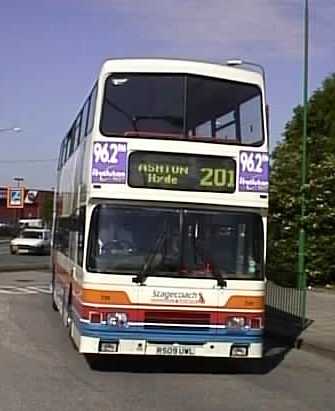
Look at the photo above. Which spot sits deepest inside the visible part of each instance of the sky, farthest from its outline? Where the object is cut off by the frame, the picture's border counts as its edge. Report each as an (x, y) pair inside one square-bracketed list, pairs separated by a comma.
[(51, 51)]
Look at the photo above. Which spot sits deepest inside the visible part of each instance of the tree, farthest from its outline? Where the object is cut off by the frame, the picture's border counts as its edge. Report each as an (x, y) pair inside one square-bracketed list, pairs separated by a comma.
[(285, 193)]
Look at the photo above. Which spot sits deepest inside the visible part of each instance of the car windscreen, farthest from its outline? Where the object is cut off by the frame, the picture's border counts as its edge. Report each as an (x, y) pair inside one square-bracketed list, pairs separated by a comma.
[(175, 242), (183, 106), (32, 234)]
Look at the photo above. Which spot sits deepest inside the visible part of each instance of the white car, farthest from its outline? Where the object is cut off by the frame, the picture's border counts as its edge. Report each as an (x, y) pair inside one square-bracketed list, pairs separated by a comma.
[(31, 241)]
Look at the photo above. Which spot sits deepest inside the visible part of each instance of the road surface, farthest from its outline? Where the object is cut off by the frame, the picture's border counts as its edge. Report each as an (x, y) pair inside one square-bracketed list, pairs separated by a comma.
[(41, 371), (8, 261)]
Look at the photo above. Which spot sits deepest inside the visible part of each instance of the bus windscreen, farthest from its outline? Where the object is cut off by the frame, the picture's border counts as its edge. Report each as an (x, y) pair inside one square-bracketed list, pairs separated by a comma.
[(182, 106), (180, 242)]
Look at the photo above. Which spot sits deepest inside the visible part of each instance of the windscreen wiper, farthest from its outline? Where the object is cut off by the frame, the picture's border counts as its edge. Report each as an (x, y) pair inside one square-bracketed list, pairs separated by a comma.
[(146, 270), (222, 283)]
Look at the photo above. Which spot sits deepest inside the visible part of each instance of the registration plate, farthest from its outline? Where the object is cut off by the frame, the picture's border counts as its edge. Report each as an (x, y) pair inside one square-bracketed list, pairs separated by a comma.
[(175, 350)]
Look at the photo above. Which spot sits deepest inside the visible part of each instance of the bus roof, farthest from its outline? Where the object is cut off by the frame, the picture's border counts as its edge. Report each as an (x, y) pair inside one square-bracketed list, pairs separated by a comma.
[(163, 65)]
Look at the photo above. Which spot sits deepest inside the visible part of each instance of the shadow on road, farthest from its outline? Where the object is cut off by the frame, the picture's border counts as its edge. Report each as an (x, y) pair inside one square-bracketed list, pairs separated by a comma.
[(285, 327), (274, 353)]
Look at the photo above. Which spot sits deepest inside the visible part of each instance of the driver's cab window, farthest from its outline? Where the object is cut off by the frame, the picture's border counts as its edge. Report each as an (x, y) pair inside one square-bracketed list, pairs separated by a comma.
[(114, 233)]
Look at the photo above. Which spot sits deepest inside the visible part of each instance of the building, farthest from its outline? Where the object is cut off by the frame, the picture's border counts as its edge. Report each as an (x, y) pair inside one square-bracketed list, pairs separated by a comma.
[(35, 203)]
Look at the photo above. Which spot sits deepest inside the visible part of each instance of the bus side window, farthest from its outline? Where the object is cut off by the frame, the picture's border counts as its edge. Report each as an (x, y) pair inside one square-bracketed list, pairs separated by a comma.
[(250, 113), (81, 235), (61, 238), (77, 131), (64, 156), (71, 142), (93, 97), (84, 119), (61, 155)]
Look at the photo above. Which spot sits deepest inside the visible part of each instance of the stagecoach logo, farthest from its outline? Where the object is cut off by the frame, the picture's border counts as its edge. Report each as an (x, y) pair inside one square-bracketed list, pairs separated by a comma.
[(178, 297)]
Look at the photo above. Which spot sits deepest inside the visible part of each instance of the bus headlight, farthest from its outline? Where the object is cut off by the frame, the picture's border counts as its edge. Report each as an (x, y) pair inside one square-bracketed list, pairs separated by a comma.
[(236, 322), (117, 319), (239, 351)]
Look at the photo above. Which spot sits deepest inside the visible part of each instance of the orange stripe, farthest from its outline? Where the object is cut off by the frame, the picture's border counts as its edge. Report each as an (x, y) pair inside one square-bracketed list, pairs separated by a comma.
[(104, 297), (121, 298), (245, 302)]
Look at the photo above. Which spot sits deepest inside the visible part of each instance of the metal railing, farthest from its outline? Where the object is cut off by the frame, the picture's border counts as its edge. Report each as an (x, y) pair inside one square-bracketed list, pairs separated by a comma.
[(287, 301)]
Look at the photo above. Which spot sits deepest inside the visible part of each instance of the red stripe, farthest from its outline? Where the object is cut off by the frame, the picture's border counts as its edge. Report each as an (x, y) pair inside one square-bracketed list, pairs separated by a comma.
[(164, 316)]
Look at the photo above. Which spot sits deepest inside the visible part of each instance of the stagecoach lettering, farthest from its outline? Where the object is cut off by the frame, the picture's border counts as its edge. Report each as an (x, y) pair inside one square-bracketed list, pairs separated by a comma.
[(171, 294), (178, 297)]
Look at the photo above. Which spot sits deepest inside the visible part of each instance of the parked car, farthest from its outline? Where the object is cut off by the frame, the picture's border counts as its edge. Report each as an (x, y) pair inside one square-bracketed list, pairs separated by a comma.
[(31, 241), (30, 223)]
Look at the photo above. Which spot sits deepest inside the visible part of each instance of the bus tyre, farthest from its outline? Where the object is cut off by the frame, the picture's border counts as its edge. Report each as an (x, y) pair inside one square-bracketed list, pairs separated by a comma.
[(54, 306)]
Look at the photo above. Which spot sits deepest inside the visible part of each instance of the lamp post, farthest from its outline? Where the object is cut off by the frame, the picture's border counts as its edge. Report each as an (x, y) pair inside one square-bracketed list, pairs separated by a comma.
[(18, 214), (302, 234), (18, 180)]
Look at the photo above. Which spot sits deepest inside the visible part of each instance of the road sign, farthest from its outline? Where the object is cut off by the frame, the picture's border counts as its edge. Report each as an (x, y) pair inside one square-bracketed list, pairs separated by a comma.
[(15, 197)]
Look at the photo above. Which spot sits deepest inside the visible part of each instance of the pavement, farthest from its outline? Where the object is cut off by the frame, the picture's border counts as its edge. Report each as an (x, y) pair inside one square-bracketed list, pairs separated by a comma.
[(320, 333), (41, 371)]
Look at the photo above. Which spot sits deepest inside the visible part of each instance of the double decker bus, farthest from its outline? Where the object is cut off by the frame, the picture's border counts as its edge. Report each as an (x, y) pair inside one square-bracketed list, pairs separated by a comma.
[(160, 212)]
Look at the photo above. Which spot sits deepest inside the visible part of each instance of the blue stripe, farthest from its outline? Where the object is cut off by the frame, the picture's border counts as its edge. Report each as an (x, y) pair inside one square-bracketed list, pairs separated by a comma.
[(184, 335)]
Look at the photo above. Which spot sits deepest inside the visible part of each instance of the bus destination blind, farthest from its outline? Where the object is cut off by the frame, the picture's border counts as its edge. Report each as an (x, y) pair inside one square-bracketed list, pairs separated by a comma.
[(182, 172)]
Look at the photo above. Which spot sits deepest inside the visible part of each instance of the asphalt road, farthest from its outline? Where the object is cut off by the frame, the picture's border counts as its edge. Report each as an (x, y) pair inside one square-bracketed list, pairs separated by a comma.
[(8, 261), (40, 370)]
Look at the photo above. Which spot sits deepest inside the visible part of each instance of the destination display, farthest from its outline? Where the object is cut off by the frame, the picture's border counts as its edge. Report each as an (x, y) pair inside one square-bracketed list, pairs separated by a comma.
[(190, 172)]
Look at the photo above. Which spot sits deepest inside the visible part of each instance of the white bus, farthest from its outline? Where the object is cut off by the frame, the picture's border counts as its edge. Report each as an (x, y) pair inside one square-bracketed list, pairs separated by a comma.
[(161, 205)]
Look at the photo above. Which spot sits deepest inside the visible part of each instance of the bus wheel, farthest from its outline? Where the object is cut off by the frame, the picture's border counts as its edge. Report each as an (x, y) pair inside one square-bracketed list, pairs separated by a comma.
[(67, 312), (54, 306)]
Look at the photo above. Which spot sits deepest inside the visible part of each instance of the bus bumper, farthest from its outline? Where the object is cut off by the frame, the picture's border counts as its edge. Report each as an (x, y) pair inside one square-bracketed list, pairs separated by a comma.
[(231, 349)]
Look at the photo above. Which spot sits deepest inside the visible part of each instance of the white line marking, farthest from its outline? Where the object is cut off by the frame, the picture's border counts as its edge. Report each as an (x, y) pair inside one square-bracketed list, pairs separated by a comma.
[(40, 289), (29, 289)]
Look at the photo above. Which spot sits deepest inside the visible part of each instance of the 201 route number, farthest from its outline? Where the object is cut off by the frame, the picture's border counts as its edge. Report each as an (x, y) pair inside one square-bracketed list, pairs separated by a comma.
[(216, 177)]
